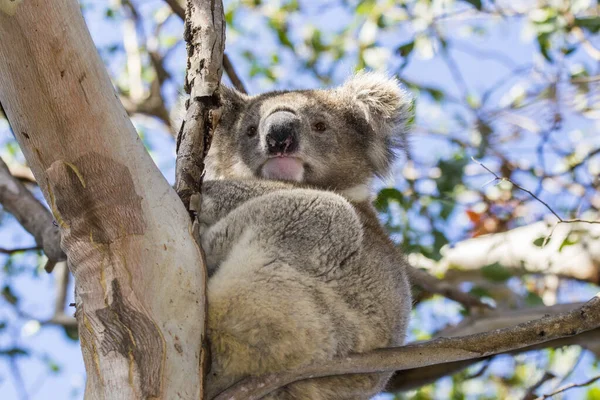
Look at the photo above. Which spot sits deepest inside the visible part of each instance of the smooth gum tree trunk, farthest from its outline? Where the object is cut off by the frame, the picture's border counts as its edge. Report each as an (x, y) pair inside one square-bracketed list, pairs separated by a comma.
[(139, 290)]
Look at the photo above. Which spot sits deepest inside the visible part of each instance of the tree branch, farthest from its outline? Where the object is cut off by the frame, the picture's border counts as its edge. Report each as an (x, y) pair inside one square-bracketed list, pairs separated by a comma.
[(493, 319), (519, 251), (31, 214), (431, 284), (227, 65), (205, 36), (232, 74), (441, 350)]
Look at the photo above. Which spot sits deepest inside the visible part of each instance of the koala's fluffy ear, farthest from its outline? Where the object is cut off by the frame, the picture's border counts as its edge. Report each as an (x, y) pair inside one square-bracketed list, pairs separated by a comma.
[(231, 98), (385, 104), (387, 108)]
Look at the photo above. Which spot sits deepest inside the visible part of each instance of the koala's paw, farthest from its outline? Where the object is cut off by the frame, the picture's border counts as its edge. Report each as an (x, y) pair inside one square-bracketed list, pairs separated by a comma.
[(208, 214)]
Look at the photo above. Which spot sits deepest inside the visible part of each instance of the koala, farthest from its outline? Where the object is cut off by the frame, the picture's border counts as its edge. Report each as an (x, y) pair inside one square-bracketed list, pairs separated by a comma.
[(300, 269)]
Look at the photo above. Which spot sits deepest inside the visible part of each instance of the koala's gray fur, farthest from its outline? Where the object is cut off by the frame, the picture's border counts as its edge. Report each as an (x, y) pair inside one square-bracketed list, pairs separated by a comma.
[(303, 272)]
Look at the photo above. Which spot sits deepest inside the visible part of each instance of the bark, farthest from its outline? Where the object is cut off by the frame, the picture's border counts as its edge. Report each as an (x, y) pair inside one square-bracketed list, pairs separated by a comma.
[(125, 232), (205, 37)]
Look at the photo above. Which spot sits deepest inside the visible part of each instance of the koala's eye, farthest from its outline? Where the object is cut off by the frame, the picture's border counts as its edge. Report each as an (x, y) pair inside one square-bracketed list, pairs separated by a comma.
[(320, 127), (251, 131)]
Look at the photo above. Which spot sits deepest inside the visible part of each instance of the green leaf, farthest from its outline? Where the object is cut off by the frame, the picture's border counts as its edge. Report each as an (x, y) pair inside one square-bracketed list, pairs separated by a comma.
[(591, 24), (8, 295), (54, 367), (480, 292), (407, 48), (539, 242), (475, 3), (496, 272), (543, 40), (15, 351), (570, 240), (387, 195), (532, 299), (365, 7), (593, 393), (72, 332)]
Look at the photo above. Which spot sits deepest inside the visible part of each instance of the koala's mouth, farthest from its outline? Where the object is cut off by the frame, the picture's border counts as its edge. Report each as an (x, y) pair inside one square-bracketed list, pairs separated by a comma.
[(283, 169)]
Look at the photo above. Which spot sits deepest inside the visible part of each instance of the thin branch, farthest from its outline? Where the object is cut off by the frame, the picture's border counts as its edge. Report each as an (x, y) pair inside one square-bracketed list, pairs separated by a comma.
[(432, 284), (176, 8), (560, 219), (529, 394), (442, 350), (570, 386), (232, 74), (150, 101), (19, 250), (586, 79), (31, 214)]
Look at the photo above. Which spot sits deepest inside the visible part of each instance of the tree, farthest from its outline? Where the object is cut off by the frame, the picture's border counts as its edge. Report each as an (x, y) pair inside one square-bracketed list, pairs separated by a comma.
[(515, 124), (140, 294)]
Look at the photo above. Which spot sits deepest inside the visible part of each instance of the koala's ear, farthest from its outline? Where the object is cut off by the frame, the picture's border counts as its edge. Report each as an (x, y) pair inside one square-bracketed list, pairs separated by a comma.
[(386, 106), (231, 98), (387, 109)]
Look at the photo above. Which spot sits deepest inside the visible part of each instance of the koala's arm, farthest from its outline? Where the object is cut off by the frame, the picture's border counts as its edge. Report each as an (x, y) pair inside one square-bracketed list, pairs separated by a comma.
[(316, 229), (220, 197)]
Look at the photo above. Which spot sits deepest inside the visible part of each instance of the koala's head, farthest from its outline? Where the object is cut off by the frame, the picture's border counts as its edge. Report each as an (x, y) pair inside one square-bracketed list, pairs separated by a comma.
[(333, 139)]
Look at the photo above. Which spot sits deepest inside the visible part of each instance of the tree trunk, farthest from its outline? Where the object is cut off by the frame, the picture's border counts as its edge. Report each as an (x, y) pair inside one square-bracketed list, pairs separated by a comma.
[(125, 232)]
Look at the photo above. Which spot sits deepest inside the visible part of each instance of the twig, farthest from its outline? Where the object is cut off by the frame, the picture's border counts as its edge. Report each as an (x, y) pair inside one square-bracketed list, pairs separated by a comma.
[(432, 284), (233, 76), (442, 350), (566, 376), (529, 395), (19, 250), (481, 371), (570, 386), (176, 8), (560, 219)]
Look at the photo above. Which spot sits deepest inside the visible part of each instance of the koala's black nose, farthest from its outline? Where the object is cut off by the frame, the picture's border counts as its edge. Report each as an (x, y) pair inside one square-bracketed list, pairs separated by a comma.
[(282, 128)]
